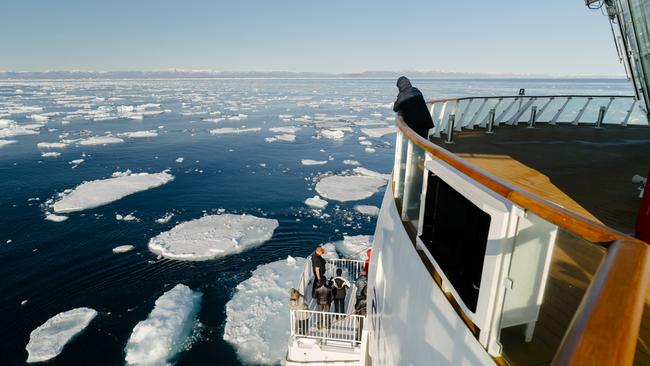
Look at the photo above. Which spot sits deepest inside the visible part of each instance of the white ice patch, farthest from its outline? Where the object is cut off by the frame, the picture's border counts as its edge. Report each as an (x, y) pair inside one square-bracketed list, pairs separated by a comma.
[(349, 188), (165, 219), (103, 191), (179, 160), (367, 210), (213, 236), (371, 173), (48, 340), (6, 142), (129, 217), (123, 248), (316, 202), (99, 140), (350, 162), (286, 138), (76, 161), (138, 134), (285, 129), (354, 247), (370, 150), (332, 134), (9, 128), (50, 154), (257, 315), (313, 162), (55, 218), (378, 132), (231, 130), (51, 145), (156, 340)]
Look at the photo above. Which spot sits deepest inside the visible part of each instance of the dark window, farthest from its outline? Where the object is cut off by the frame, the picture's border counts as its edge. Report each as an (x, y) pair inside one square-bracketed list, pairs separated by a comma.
[(455, 232)]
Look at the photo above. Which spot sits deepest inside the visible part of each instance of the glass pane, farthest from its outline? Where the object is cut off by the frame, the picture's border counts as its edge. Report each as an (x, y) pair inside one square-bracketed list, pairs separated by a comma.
[(413, 185), (550, 270), (401, 156)]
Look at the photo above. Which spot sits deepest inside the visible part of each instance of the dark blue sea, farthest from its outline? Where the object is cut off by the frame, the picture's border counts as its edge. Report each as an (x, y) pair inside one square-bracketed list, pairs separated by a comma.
[(57, 266)]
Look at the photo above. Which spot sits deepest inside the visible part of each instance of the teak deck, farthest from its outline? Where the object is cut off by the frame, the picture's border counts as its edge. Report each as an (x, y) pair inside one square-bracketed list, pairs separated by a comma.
[(585, 170)]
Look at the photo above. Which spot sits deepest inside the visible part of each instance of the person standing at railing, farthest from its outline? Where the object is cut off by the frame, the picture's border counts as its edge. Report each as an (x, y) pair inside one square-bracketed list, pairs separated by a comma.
[(297, 302), (361, 283), (318, 267), (340, 286), (324, 297), (411, 105)]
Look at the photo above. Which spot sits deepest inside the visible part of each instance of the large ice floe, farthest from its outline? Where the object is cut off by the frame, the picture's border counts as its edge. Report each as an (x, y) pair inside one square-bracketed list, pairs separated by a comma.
[(9, 128), (378, 132), (6, 142), (157, 339), (103, 191), (213, 236), (138, 134), (48, 340), (257, 315), (99, 140), (232, 130), (313, 162), (316, 202), (367, 210), (354, 247), (351, 187)]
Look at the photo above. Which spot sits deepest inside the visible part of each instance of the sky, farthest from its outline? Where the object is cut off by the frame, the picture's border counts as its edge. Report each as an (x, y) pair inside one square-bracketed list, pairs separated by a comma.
[(557, 37)]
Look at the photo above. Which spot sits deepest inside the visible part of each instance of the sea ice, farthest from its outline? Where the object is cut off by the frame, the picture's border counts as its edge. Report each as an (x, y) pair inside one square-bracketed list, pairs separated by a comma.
[(350, 162), (6, 142), (231, 130), (316, 202), (51, 145), (103, 191), (213, 236), (127, 218), (332, 134), (285, 129), (367, 210), (157, 339), (378, 132), (257, 315), (99, 140), (55, 218), (48, 340), (51, 154), (370, 150), (371, 173), (9, 128), (138, 134), (349, 188), (123, 248), (179, 160), (286, 137), (76, 161), (354, 247), (313, 162), (165, 219)]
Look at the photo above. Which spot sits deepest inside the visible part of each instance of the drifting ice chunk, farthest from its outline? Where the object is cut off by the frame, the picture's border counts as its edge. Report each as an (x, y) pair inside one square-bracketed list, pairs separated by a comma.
[(213, 236), (100, 192), (285, 129), (48, 340), (51, 154), (160, 337), (6, 142), (354, 247), (9, 128), (316, 202), (371, 173), (139, 134), (286, 138), (370, 150), (350, 162), (332, 134), (123, 248), (179, 160), (51, 145), (349, 188), (55, 218), (378, 132), (231, 130), (257, 315), (313, 162), (99, 140), (76, 161), (367, 210), (165, 219)]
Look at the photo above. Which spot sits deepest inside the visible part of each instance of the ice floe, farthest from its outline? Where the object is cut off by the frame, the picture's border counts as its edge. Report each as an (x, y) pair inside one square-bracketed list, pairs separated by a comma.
[(213, 236), (257, 315), (9, 128), (285, 138), (48, 340), (99, 140), (157, 339), (123, 248), (354, 247), (165, 219), (351, 187), (138, 134), (231, 130), (55, 218), (367, 210), (76, 161), (378, 132), (313, 162), (316, 202), (50, 154), (333, 134), (6, 142), (128, 217), (51, 145), (179, 160), (350, 162), (285, 129), (103, 191)]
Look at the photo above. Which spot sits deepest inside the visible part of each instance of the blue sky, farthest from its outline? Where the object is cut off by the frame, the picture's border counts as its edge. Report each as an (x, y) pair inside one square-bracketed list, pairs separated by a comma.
[(502, 36)]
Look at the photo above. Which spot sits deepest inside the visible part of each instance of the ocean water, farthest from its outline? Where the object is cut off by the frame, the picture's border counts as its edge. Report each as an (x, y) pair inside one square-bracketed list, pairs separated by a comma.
[(60, 266)]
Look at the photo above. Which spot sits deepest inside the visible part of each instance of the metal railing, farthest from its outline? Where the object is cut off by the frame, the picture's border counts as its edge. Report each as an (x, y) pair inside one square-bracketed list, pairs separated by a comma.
[(489, 112), (327, 326), (351, 267)]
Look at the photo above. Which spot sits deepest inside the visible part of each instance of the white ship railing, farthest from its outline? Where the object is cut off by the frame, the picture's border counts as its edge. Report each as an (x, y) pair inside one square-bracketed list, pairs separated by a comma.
[(351, 267), (327, 326), (490, 112)]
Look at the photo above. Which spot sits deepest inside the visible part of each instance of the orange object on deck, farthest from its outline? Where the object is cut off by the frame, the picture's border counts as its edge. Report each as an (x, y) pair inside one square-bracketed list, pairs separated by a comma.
[(643, 218)]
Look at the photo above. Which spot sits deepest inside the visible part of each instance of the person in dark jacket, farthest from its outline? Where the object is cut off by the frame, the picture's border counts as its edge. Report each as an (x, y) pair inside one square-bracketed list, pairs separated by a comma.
[(318, 267), (324, 296), (340, 285), (411, 105)]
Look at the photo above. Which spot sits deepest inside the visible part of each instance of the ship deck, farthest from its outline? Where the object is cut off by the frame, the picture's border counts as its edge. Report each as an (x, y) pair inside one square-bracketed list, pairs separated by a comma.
[(584, 169)]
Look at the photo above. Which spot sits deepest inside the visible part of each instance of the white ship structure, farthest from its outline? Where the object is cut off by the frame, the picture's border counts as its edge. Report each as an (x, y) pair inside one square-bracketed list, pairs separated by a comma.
[(504, 238)]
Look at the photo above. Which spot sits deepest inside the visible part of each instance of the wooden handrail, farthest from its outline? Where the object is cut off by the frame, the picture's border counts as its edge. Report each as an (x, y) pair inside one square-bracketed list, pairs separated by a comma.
[(605, 327)]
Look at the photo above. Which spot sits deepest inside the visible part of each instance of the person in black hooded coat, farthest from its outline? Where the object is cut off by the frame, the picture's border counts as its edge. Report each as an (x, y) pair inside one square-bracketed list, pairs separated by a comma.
[(411, 105)]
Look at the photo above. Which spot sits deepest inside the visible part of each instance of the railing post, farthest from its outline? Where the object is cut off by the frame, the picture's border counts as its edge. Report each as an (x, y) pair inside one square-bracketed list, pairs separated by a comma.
[(533, 116), (490, 127), (450, 129), (601, 116)]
